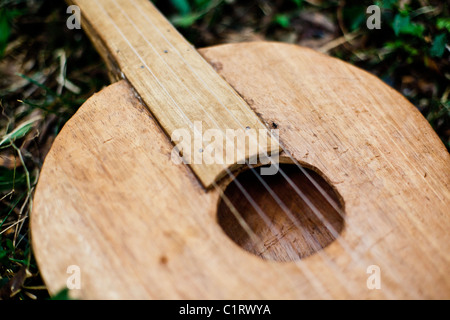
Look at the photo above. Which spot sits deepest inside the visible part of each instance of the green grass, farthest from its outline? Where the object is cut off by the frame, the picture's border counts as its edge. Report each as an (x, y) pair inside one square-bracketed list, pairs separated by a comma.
[(35, 52), (410, 53)]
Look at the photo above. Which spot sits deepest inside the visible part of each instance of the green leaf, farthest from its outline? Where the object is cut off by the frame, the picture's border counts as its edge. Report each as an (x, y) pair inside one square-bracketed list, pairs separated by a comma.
[(9, 179), (355, 17), (9, 244), (386, 4), (283, 20), (443, 23), (19, 132), (298, 2), (6, 18), (358, 21), (23, 262), (3, 256), (185, 21), (402, 25), (438, 47), (182, 6), (40, 85), (399, 23), (401, 45), (5, 30), (62, 295), (202, 4)]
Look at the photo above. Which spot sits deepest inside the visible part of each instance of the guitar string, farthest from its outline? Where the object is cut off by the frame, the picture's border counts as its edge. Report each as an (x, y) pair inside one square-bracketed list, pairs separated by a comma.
[(259, 242), (291, 182), (331, 201), (424, 252), (261, 213), (387, 218), (280, 203), (198, 77), (309, 177), (169, 67), (137, 54), (312, 280), (370, 97), (326, 223), (336, 98), (318, 187)]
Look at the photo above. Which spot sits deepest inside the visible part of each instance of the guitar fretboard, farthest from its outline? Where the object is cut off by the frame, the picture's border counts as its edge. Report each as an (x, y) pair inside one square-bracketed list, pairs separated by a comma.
[(179, 87)]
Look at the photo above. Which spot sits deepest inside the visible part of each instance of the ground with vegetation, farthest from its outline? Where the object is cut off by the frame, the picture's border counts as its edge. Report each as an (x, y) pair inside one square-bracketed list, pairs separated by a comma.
[(47, 71)]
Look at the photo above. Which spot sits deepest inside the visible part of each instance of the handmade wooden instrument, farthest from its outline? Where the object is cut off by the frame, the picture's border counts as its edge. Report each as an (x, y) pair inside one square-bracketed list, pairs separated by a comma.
[(359, 208)]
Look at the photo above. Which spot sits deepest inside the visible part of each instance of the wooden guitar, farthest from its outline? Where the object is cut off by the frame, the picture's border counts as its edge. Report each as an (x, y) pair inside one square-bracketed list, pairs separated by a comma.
[(358, 208)]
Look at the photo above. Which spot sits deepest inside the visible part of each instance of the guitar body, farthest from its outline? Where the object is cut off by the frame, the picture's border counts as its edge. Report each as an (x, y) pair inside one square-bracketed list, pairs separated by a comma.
[(138, 226)]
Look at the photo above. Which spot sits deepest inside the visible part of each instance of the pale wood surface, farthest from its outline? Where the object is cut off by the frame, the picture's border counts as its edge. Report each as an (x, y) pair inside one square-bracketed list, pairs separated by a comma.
[(110, 200), (172, 79)]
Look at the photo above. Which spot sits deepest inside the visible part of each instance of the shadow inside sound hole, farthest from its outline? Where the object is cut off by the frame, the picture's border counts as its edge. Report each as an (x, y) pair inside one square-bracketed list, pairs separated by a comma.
[(282, 234)]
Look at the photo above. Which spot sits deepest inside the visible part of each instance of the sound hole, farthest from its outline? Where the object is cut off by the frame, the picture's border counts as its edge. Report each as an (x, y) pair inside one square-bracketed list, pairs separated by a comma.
[(284, 229)]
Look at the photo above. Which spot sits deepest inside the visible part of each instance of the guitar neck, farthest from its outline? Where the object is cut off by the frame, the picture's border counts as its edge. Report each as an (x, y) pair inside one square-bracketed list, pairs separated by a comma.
[(173, 80)]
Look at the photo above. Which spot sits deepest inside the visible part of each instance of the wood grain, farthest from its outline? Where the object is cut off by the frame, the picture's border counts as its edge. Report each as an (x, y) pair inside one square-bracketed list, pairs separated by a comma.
[(182, 91), (110, 201)]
